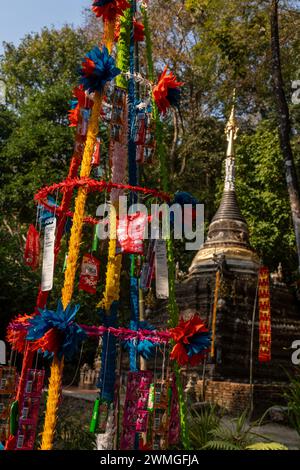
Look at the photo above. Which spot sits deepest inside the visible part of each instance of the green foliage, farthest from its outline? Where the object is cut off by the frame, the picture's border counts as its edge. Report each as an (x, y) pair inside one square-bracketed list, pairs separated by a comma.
[(41, 61), (236, 434), (209, 432), (263, 197), (201, 424), (266, 446), (71, 435), (292, 397)]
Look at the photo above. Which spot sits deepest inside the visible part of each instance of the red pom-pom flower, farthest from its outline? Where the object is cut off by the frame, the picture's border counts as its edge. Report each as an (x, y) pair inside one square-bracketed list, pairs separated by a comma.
[(192, 340), (109, 9), (167, 92)]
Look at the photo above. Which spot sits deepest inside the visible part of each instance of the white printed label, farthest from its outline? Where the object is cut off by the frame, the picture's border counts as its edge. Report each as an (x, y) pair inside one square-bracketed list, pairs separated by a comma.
[(48, 255), (161, 270)]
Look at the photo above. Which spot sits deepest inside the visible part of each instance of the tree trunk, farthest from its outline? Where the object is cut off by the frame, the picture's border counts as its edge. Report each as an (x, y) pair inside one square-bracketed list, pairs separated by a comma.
[(284, 126)]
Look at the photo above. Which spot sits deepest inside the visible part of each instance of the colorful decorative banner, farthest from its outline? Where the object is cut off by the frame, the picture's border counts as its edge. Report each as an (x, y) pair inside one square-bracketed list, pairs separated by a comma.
[(264, 354)]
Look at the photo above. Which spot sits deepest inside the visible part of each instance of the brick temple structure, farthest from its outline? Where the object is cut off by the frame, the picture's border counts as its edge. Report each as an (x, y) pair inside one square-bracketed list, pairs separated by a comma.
[(227, 377)]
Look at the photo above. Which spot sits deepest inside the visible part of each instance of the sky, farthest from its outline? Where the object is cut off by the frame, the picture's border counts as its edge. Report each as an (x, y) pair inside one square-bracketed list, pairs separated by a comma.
[(19, 17)]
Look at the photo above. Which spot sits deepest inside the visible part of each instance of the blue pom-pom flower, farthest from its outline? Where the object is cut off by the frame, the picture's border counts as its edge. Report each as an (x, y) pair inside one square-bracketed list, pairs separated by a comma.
[(57, 332), (98, 68)]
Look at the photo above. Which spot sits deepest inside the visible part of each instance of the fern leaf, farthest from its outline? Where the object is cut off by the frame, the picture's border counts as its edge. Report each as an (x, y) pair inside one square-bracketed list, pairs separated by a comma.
[(266, 446), (220, 445)]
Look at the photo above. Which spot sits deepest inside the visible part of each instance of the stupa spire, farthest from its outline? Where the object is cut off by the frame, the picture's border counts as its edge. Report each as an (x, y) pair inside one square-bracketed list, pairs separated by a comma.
[(228, 233), (231, 131)]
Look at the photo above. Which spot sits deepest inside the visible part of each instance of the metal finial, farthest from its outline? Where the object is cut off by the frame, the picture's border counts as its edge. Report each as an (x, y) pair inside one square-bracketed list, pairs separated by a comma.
[(231, 128)]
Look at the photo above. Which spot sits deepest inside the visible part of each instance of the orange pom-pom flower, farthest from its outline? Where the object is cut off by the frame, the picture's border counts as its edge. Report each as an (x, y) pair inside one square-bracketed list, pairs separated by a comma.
[(167, 92)]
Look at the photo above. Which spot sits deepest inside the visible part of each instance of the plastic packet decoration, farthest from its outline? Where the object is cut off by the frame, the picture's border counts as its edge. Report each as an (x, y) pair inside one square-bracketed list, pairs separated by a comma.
[(32, 248), (89, 275), (144, 137), (136, 416), (161, 418), (7, 391), (26, 437), (150, 405), (7, 380), (147, 270), (142, 420), (118, 114), (140, 128), (34, 382), (30, 409), (130, 233), (83, 125), (96, 154)]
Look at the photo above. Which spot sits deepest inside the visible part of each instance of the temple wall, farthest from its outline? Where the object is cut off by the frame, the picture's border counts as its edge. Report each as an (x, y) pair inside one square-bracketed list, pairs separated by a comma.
[(227, 376), (235, 397)]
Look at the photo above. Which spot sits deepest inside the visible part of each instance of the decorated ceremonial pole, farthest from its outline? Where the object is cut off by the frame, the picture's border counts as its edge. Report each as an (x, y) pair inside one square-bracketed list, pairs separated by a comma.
[(97, 68), (75, 121)]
